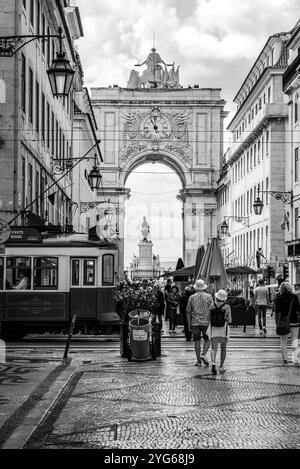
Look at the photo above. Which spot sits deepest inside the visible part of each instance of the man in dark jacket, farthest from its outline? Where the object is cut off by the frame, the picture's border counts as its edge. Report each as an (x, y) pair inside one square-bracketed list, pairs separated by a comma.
[(184, 298)]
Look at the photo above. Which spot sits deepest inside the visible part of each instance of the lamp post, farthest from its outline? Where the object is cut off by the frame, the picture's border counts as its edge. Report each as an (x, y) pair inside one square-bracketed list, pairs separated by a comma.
[(225, 227), (60, 73), (95, 180), (285, 197)]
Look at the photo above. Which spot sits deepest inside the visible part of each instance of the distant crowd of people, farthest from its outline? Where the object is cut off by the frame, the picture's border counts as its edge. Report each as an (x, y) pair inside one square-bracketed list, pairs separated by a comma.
[(209, 318)]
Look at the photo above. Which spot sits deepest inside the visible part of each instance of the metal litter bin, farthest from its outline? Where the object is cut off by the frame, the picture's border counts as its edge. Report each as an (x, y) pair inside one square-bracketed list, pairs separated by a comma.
[(141, 313), (140, 339)]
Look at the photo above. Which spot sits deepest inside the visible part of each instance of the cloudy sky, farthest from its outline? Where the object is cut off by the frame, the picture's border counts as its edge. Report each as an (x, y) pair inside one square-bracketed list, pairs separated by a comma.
[(215, 42)]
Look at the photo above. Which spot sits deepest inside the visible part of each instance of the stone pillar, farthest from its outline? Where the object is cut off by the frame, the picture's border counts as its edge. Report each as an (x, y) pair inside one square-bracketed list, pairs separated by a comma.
[(145, 255)]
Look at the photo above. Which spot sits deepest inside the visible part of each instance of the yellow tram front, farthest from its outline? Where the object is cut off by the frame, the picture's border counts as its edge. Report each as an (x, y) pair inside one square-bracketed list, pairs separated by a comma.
[(43, 283)]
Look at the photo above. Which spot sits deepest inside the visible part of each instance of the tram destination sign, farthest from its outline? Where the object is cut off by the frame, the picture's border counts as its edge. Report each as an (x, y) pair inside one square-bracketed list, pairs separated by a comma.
[(24, 235), (5, 231)]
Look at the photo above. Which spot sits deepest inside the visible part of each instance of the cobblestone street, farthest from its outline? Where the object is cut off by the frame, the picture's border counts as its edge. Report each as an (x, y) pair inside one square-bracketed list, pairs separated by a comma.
[(110, 403)]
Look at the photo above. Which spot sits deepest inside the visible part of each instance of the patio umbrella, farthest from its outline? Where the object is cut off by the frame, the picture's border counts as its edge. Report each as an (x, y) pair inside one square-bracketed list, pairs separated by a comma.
[(199, 257), (179, 266), (204, 264), (212, 268)]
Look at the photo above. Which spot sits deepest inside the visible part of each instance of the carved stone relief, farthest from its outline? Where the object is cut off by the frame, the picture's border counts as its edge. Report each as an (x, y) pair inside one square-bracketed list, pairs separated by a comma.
[(155, 131)]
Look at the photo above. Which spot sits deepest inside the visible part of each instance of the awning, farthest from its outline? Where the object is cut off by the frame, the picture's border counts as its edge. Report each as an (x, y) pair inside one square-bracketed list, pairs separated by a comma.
[(184, 272), (240, 270)]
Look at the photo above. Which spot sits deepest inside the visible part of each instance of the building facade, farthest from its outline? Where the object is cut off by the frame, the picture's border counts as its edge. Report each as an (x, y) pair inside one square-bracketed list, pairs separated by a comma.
[(291, 88), (37, 129), (155, 119), (255, 162)]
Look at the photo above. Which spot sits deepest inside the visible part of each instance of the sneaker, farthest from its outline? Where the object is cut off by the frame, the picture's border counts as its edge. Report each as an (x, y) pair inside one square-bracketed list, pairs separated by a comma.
[(260, 331), (285, 362), (213, 369), (198, 364), (205, 361), (265, 330), (222, 370), (174, 332)]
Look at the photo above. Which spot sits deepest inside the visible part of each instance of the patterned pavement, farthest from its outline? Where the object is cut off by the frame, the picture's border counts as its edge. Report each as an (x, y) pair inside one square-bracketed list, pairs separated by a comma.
[(110, 403)]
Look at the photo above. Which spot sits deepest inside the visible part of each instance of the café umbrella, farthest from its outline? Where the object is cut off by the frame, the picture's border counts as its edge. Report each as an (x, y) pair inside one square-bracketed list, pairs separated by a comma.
[(212, 269), (199, 257)]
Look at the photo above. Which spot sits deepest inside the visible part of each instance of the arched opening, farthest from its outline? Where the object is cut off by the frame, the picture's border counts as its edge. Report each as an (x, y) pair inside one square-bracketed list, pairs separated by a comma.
[(154, 188)]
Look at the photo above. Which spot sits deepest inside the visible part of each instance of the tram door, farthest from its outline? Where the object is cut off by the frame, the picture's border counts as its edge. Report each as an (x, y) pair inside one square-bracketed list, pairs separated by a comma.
[(83, 289)]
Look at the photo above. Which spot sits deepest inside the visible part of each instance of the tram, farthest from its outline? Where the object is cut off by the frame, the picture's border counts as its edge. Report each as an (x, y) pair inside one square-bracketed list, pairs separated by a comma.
[(44, 282)]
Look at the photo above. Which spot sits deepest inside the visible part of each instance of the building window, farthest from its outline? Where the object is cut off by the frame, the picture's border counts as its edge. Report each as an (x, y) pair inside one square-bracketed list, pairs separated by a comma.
[(30, 183), (37, 188), (43, 117), (43, 32), (32, 12), (258, 152), (48, 48), (108, 269), (23, 85), (267, 236), (45, 273), (296, 164), (23, 182), (269, 94), (37, 106), (38, 17), (75, 272), (296, 223), (56, 140), (267, 188), (251, 158), (24, 4), (30, 96), (15, 267), (267, 142), (48, 125), (53, 133), (296, 109), (251, 200), (254, 155)]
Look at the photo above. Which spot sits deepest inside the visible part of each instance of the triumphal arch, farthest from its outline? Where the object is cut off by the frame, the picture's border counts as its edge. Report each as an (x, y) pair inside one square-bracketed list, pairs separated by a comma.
[(156, 119)]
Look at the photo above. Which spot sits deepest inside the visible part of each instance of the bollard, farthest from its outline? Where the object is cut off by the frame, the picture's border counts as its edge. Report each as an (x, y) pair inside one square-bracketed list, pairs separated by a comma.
[(69, 338), (156, 340)]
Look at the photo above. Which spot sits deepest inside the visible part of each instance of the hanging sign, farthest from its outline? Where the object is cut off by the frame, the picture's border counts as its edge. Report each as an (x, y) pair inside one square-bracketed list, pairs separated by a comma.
[(5, 231)]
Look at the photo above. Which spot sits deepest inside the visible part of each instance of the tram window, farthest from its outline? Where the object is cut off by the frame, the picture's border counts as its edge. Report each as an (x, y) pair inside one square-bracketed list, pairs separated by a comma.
[(88, 272), (18, 273), (75, 272), (1, 272), (108, 269), (45, 273)]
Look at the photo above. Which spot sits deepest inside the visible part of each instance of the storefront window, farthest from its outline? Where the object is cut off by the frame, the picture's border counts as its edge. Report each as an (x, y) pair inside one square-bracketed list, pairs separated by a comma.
[(108, 269), (88, 272), (45, 273), (18, 273)]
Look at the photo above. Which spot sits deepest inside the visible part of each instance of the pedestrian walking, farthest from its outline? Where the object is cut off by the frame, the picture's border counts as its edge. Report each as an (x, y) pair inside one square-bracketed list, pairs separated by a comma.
[(197, 311), (218, 329), (251, 296), (287, 311), (182, 307), (167, 290), (159, 307), (172, 305), (261, 301)]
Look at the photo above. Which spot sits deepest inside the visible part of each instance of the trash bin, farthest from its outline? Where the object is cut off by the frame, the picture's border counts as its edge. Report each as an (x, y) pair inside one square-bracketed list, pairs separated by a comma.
[(140, 337), (156, 340), (141, 313)]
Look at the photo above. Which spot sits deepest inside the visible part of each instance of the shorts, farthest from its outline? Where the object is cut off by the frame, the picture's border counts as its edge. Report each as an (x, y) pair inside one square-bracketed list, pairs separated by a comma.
[(198, 331), (218, 340)]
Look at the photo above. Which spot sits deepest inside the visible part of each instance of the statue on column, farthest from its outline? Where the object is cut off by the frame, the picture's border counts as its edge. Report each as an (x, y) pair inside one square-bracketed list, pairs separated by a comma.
[(145, 230)]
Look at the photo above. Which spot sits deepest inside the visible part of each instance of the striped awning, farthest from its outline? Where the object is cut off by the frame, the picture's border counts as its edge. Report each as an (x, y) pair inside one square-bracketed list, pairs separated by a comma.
[(240, 270)]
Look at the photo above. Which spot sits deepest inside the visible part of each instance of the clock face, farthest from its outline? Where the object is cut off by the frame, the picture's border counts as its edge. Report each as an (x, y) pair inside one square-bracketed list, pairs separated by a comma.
[(157, 127)]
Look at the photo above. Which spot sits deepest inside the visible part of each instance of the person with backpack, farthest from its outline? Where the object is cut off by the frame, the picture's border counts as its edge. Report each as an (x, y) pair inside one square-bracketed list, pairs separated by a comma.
[(218, 330)]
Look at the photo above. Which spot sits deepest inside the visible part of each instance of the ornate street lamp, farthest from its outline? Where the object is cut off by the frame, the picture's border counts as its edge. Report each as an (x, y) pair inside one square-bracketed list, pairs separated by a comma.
[(224, 228), (258, 206), (285, 197), (94, 177), (60, 73)]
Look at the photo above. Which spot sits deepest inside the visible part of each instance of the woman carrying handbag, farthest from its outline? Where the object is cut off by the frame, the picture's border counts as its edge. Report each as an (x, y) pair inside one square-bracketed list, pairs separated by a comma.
[(287, 312)]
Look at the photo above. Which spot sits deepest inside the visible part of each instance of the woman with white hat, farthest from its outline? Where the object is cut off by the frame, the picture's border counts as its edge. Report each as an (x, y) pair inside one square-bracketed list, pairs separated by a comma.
[(218, 330)]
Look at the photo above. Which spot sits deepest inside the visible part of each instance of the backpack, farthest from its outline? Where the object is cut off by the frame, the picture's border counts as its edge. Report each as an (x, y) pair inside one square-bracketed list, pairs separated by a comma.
[(218, 316)]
